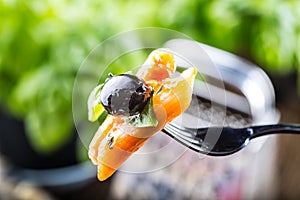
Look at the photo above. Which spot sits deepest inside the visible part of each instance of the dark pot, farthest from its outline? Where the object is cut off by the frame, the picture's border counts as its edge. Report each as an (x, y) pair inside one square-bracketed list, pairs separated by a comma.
[(14, 145), (59, 172)]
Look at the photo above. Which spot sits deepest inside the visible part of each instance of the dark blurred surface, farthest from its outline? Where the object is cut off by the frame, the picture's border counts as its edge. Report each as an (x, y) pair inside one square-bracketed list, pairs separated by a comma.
[(94, 190), (288, 157), (15, 147)]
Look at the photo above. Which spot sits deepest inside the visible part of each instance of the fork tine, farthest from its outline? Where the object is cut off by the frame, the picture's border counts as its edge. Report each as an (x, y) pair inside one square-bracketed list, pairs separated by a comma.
[(178, 129), (176, 126), (187, 136), (194, 145), (184, 142)]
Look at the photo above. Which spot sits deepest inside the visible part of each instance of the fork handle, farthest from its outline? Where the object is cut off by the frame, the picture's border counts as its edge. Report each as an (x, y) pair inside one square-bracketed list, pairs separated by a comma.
[(257, 131)]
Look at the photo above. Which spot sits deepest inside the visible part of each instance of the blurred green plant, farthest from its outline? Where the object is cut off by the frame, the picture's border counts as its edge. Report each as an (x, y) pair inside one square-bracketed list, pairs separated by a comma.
[(43, 43), (266, 32)]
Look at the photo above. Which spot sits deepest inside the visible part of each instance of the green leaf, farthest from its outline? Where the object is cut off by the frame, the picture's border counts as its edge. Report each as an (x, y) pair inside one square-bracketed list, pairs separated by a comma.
[(50, 131), (146, 118), (95, 107), (102, 117)]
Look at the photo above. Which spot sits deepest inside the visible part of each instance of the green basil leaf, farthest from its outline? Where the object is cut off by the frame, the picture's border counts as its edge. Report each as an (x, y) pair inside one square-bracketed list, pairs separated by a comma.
[(146, 118), (95, 107)]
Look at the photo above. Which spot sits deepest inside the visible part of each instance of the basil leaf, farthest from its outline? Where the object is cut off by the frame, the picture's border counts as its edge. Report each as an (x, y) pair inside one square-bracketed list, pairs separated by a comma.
[(146, 118), (95, 107)]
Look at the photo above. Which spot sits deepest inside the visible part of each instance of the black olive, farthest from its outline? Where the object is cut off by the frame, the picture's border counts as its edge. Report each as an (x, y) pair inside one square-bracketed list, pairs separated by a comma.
[(125, 94)]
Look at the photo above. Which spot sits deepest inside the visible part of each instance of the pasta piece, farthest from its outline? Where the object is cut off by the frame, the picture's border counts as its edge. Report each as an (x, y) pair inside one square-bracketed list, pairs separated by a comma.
[(116, 139)]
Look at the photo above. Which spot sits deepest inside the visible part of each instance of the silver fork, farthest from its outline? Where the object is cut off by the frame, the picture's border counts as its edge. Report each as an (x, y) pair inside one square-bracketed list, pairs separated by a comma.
[(222, 141)]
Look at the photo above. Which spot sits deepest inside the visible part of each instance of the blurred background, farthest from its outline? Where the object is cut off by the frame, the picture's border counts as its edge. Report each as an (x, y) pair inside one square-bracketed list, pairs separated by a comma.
[(43, 43)]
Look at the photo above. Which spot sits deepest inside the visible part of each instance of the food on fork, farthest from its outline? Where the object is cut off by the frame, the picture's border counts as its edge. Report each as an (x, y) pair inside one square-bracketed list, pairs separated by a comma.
[(138, 106)]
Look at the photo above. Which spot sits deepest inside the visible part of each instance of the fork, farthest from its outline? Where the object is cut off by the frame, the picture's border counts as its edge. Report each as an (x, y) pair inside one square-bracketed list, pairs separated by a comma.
[(222, 141)]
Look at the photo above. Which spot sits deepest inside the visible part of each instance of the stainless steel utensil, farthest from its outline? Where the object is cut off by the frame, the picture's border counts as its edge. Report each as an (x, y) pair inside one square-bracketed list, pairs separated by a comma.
[(223, 141)]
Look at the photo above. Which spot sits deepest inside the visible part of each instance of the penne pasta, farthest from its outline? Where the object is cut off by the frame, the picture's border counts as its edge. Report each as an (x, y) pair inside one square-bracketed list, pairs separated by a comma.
[(116, 139)]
